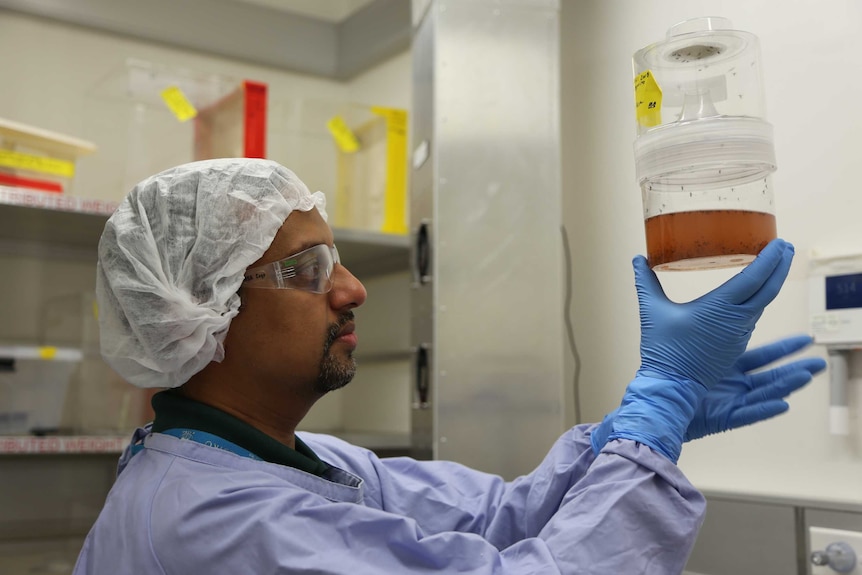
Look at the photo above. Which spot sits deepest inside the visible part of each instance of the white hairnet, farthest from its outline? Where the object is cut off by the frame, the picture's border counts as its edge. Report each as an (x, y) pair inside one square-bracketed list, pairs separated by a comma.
[(172, 257)]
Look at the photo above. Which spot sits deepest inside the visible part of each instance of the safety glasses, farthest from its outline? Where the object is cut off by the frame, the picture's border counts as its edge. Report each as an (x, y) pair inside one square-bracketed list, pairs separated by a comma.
[(309, 270)]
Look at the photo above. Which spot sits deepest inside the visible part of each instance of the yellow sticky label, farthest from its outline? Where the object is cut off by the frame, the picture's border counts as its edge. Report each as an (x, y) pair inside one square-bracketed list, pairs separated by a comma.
[(47, 352), (344, 137), (43, 164), (647, 100), (177, 103), (395, 198)]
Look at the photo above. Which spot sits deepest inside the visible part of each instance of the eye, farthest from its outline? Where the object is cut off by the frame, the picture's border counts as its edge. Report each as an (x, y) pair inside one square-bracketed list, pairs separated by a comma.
[(307, 272)]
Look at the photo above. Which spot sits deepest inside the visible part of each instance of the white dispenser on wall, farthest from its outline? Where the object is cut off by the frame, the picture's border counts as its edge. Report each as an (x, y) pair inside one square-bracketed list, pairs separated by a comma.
[(835, 305)]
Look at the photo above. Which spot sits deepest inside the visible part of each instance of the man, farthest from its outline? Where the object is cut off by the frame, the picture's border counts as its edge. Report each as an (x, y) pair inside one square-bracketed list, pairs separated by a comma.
[(219, 280)]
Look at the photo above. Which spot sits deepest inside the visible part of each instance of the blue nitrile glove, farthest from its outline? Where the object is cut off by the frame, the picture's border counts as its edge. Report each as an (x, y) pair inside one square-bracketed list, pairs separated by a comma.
[(741, 397), (686, 348)]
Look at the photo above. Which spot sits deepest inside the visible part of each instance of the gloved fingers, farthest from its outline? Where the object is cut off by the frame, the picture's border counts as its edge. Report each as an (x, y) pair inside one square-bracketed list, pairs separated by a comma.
[(757, 412), (773, 284), (782, 381), (762, 278), (764, 355), (809, 365), (646, 281)]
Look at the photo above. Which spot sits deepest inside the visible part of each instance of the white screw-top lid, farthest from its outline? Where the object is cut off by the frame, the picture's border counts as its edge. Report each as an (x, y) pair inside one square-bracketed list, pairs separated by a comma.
[(717, 151)]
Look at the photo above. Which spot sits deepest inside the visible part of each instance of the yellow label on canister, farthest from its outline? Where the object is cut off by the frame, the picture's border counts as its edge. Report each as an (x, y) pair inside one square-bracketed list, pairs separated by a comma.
[(647, 100), (395, 199), (47, 352), (43, 164), (177, 103), (344, 137)]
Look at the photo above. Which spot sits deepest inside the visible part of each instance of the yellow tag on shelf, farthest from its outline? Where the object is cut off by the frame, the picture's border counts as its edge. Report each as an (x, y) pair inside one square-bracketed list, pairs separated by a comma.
[(47, 352), (178, 103), (395, 198), (647, 100), (344, 137), (43, 164)]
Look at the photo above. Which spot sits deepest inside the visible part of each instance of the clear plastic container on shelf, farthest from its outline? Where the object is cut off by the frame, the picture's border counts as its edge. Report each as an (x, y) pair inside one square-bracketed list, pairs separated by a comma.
[(98, 401), (147, 117), (704, 151), (33, 387), (355, 154)]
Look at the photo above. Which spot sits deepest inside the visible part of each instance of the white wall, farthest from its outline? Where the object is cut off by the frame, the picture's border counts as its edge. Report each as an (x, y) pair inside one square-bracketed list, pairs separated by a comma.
[(812, 86)]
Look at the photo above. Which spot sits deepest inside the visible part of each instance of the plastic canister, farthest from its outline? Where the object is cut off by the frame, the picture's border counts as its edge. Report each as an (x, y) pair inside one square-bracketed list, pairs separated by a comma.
[(704, 152)]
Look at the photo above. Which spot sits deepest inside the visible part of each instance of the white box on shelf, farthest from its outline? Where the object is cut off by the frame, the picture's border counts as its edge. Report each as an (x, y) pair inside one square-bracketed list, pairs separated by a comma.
[(37, 159)]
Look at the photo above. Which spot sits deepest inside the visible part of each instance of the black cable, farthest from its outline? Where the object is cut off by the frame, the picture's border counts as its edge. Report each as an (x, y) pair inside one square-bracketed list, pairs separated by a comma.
[(570, 330)]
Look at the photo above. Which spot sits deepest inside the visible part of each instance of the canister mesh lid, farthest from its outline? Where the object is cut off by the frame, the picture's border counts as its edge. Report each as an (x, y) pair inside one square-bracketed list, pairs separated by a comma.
[(696, 49)]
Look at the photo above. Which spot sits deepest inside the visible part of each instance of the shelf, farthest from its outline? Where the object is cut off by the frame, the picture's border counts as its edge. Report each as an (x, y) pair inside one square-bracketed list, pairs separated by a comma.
[(371, 440), (38, 553), (368, 254), (381, 443), (55, 225), (62, 444), (384, 356), (46, 224), (115, 444)]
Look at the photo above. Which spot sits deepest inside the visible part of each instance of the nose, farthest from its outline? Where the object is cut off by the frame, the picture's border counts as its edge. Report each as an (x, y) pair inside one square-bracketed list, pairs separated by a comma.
[(347, 291)]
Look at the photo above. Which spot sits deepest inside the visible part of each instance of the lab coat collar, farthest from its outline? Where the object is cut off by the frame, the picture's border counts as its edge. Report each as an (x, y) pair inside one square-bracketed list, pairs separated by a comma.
[(335, 485)]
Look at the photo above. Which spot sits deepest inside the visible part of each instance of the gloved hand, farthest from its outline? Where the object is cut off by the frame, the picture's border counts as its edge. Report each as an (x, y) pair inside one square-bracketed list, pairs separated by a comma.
[(686, 348), (741, 397)]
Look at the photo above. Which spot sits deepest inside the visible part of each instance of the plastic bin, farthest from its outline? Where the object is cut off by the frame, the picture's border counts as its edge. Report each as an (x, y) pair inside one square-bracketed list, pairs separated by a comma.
[(355, 154), (33, 386), (148, 117), (98, 401)]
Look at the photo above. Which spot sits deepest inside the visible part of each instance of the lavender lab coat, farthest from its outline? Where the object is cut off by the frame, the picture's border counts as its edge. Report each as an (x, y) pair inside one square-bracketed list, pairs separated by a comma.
[(179, 508)]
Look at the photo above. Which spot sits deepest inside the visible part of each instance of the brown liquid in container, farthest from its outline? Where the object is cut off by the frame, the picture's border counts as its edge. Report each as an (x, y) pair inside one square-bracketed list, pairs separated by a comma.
[(707, 239)]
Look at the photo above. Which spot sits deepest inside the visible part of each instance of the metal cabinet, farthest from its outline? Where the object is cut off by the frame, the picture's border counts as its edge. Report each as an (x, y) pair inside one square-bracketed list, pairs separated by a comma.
[(487, 301)]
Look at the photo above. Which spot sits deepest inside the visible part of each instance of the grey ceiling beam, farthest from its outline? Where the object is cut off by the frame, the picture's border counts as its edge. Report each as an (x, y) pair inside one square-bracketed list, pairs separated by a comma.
[(236, 30), (379, 31)]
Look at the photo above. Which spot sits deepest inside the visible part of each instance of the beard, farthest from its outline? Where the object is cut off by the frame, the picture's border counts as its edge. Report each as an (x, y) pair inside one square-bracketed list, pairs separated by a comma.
[(335, 372)]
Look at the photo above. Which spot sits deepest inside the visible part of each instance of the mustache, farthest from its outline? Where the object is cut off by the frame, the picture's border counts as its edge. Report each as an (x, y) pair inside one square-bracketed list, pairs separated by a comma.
[(335, 327)]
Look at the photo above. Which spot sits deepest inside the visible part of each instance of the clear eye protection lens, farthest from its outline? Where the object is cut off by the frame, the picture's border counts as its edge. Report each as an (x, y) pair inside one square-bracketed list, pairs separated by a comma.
[(309, 270)]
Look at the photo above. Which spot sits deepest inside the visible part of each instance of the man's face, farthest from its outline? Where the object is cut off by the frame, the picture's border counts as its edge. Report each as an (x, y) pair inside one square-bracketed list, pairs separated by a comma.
[(295, 341)]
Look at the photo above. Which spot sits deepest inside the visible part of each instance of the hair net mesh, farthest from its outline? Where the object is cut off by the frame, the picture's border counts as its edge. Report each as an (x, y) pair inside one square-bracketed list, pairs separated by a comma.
[(172, 257)]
